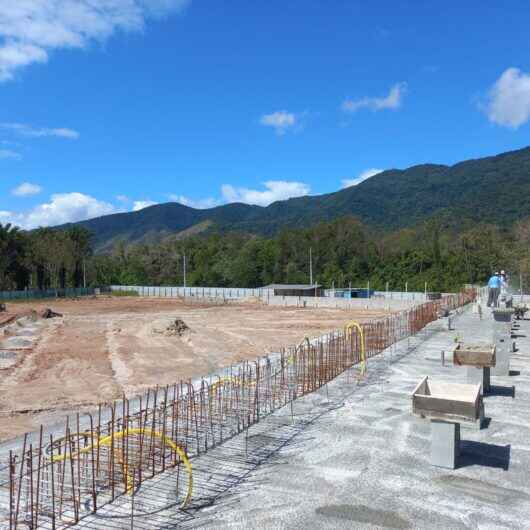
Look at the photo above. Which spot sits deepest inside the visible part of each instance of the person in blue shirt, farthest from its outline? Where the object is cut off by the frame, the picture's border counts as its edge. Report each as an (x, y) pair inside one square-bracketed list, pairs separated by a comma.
[(494, 286)]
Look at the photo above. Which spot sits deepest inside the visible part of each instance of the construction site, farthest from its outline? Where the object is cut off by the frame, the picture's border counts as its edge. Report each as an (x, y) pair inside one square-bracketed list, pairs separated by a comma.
[(255, 410), (98, 349)]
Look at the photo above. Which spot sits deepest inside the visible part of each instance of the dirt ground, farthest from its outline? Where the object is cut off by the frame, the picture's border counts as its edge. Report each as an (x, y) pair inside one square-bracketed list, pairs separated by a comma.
[(100, 349)]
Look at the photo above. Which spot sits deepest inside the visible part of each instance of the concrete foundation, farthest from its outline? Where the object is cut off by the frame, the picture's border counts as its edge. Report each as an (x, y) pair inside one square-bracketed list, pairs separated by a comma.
[(477, 374), (353, 457), (445, 444)]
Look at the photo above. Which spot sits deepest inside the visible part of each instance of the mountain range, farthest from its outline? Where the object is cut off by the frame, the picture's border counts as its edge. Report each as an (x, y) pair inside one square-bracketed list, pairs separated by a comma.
[(494, 189)]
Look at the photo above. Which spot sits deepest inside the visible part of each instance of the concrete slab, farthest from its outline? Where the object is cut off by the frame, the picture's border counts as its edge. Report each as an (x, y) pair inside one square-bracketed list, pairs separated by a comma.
[(353, 456)]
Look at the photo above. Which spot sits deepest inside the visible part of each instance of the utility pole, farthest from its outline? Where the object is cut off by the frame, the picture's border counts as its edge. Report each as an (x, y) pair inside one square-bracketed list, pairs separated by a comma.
[(184, 269), (310, 267)]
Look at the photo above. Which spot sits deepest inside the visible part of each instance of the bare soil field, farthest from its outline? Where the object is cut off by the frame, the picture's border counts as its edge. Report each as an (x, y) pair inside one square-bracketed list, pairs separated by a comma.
[(100, 349)]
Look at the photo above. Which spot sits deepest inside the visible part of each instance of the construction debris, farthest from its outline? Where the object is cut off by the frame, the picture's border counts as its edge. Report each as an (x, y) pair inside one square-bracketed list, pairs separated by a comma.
[(520, 311), (2, 308), (48, 313), (176, 327)]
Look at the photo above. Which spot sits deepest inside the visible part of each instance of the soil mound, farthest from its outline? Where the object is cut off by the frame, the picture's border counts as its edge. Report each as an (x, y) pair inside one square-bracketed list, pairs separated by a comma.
[(48, 313), (176, 327)]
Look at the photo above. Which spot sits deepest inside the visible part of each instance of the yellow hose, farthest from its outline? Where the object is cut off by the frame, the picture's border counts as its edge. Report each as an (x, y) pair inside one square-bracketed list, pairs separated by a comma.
[(235, 380), (349, 326), (107, 441), (290, 359)]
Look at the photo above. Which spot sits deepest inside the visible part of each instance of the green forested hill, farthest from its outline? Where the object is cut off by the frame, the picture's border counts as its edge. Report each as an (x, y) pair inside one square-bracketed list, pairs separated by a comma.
[(495, 189)]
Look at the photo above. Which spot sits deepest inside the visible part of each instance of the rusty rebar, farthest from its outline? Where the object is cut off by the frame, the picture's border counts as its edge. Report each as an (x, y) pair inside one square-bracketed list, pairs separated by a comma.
[(134, 444)]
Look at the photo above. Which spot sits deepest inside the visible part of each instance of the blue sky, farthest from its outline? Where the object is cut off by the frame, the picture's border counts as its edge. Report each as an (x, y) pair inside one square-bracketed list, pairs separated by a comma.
[(110, 105)]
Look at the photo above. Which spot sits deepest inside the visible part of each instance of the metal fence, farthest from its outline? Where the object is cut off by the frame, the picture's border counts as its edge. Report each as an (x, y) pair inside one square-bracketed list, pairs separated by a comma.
[(240, 292), (190, 292), (415, 296), (385, 304), (54, 480), (31, 294)]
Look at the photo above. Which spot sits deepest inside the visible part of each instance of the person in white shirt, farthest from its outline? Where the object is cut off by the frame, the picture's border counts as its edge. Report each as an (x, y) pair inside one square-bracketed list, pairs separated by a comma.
[(504, 283)]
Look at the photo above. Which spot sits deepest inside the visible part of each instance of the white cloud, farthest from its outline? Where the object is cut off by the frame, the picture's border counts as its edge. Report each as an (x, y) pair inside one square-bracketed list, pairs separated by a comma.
[(25, 189), (508, 101), (33, 132), (140, 205), (15, 54), (281, 121), (366, 174), (200, 204), (122, 198), (8, 153), (392, 101), (62, 208), (276, 190), (31, 29)]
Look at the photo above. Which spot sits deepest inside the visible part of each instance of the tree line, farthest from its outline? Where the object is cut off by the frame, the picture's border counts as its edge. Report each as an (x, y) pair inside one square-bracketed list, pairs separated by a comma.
[(44, 258), (344, 252)]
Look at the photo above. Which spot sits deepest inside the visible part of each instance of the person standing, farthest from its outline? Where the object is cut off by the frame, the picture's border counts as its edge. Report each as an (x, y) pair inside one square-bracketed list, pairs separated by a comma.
[(494, 288), (504, 283)]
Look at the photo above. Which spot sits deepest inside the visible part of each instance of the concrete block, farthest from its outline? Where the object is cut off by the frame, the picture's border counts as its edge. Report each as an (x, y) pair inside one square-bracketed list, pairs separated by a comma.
[(477, 374), (503, 347), (445, 444)]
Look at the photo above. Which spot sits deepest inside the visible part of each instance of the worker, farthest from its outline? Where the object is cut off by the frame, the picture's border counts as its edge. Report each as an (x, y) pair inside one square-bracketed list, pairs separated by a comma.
[(494, 289), (504, 283)]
